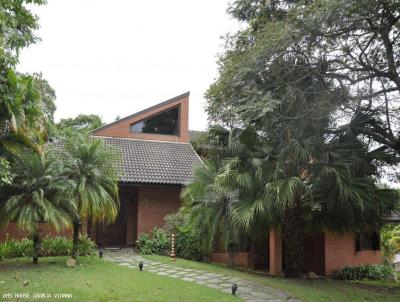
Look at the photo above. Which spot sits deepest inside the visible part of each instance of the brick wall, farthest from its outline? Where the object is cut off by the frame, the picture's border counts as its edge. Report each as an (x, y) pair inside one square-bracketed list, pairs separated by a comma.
[(340, 250), (275, 252), (122, 127), (154, 202), (241, 259), (45, 229)]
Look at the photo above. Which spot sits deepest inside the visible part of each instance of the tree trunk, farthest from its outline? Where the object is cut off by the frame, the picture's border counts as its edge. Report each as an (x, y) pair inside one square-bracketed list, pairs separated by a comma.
[(89, 227), (36, 248), (75, 238), (293, 242)]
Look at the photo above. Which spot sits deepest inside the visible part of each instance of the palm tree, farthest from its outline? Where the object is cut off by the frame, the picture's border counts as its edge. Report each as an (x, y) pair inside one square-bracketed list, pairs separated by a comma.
[(298, 185), (92, 170), (37, 194), (211, 204)]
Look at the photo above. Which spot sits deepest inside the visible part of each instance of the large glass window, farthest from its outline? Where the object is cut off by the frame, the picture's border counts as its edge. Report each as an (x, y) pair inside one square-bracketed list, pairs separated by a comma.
[(166, 122)]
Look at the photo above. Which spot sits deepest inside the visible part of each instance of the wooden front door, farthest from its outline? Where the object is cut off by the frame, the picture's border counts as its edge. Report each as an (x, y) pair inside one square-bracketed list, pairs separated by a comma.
[(113, 234)]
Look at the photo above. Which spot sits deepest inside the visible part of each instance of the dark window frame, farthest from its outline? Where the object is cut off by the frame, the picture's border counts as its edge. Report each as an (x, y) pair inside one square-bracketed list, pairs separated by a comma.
[(367, 241), (158, 113)]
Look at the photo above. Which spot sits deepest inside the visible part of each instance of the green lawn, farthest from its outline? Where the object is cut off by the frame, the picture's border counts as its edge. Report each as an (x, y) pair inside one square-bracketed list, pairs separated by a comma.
[(325, 290), (96, 280)]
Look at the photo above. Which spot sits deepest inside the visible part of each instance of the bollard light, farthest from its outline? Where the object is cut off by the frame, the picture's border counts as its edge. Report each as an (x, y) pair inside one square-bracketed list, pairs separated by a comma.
[(101, 254), (234, 289), (141, 265)]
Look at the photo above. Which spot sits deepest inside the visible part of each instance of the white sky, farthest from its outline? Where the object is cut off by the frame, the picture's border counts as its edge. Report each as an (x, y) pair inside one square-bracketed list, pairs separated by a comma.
[(118, 57)]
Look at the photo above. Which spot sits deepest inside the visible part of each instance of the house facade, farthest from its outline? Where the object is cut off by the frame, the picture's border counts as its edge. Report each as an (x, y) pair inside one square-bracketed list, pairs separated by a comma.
[(157, 161)]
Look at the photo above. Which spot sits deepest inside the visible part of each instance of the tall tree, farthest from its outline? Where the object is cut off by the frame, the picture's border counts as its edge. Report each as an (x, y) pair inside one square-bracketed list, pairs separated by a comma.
[(353, 44), (92, 170), (38, 194), (306, 171), (80, 124), (26, 101)]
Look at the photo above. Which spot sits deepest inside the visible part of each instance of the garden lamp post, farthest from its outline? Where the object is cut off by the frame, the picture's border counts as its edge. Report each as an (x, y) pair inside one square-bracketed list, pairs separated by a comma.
[(173, 256), (234, 289)]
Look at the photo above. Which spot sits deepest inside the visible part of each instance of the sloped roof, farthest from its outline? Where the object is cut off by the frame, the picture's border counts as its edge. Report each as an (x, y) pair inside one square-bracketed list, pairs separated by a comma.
[(94, 131), (157, 162)]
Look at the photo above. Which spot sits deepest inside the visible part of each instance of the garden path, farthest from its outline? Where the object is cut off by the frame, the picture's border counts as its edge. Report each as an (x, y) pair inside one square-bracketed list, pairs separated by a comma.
[(249, 291)]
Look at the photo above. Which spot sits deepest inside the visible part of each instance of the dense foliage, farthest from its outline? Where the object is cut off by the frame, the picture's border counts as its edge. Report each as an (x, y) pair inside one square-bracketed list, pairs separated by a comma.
[(91, 169), (307, 91), (390, 242), (26, 100), (51, 246), (38, 193), (80, 124), (157, 242), (187, 245), (372, 272)]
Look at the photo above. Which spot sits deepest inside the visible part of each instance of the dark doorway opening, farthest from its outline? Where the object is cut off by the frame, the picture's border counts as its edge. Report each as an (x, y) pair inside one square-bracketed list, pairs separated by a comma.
[(261, 254), (113, 234)]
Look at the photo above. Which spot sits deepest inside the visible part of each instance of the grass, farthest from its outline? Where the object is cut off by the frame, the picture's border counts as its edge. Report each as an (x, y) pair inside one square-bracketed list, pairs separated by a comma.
[(96, 280), (324, 290)]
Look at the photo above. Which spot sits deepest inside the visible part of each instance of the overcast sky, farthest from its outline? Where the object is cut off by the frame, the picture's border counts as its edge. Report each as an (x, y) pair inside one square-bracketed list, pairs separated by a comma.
[(117, 57)]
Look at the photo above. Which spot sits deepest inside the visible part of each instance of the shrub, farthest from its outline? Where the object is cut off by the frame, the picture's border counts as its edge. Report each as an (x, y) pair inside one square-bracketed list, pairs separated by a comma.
[(187, 246), (50, 246), (86, 246), (12, 248), (57, 246), (390, 242), (156, 243), (373, 272), (144, 244)]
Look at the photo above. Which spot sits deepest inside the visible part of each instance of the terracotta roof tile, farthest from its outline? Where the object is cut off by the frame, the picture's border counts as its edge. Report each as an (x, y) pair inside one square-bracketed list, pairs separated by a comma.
[(145, 161)]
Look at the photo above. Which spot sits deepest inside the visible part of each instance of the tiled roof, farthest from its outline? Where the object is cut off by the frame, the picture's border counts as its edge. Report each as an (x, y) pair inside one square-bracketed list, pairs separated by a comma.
[(145, 161)]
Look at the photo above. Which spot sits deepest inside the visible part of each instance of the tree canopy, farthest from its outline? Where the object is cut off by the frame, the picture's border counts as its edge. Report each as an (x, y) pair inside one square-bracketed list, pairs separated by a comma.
[(26, 100), (310, 89)]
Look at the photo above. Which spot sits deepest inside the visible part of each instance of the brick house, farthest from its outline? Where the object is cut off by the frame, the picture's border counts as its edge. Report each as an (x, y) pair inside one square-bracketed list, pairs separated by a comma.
[(158, 161)]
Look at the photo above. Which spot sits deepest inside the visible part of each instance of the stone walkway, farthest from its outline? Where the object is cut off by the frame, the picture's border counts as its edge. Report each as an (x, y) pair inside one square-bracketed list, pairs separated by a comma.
[(249, 291)]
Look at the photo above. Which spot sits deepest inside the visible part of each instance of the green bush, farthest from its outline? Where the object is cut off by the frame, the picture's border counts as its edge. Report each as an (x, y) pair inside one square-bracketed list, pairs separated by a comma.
[(12, 248), (186, 246), (372, 272), (86, 246), (57, 246), (50, 246), (156, 243)]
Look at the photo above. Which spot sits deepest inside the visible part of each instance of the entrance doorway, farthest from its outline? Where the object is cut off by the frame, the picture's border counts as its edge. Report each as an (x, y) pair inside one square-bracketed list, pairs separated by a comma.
[(113, 234)]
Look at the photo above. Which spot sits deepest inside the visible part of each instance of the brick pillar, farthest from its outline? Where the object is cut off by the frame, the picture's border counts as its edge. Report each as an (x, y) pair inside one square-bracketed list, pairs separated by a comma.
[(275, 252)]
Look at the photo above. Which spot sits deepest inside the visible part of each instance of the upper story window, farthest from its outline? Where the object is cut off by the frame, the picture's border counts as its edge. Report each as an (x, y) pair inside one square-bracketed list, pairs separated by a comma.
[(166, 122)]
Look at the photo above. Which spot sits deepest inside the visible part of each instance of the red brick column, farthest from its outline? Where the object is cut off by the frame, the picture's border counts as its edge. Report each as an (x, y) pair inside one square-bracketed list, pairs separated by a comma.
[(275, 252)]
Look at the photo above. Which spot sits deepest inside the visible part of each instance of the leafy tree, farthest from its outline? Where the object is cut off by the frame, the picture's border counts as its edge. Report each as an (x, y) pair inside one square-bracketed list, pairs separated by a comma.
[(211, 205), (26, 101), (92, 170), (300, 169), (390, 242), (38, 194), (209, 144), (82, 123), (355, 45)]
